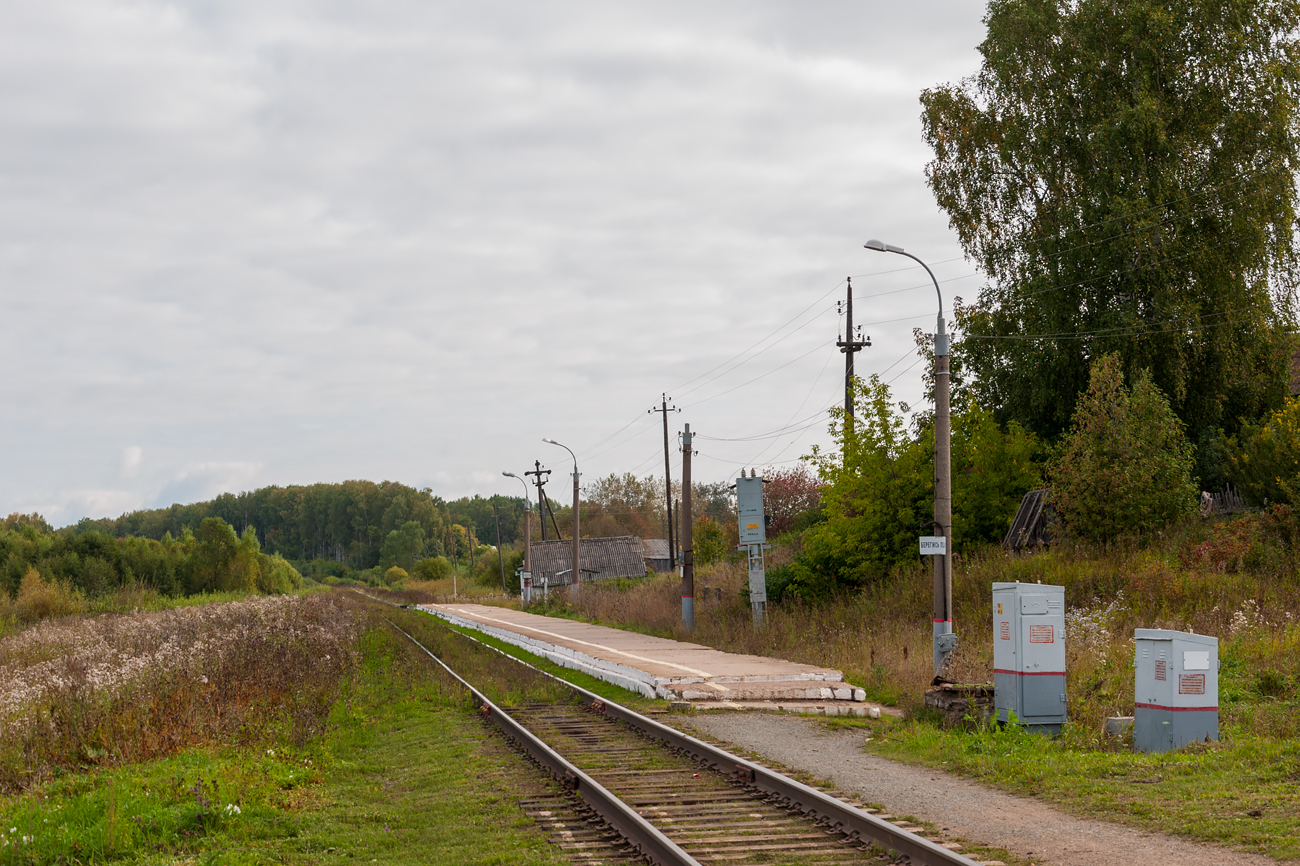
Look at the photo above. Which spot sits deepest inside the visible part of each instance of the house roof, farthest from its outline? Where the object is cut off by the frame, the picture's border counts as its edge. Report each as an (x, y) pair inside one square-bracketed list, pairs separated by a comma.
[(599, 558), (654, 548)]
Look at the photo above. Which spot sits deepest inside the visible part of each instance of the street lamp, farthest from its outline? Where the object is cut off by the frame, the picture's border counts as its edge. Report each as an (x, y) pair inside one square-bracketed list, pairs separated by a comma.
[(577, 575), (944, 639), (526, 579)]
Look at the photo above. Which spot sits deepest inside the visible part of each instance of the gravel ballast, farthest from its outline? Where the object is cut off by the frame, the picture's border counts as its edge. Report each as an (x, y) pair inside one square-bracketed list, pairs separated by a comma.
[(962, 809)]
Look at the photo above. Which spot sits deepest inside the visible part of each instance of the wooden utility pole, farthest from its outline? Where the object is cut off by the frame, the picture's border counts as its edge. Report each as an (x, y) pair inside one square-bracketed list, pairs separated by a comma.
[(541, 494), (547, 501), (850, 347), (688, 554), (668, 483)]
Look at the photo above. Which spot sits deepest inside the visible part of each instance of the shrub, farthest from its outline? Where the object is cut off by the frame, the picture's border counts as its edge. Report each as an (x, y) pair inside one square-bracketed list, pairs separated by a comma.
[(1125, 466), (1266, 463), (432, 568), (276, 575), (38, 599), (395, 575), (708, 544)]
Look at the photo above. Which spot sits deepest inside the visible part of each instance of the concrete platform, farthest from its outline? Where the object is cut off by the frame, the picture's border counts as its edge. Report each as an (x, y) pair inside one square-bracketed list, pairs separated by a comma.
[(667, 669)]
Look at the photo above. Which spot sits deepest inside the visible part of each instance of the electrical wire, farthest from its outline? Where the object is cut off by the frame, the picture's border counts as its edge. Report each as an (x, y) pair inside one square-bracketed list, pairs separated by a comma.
[(1117, 332), (756, 378), (619, 444), (763, 339), (756, 354), (639, 417)]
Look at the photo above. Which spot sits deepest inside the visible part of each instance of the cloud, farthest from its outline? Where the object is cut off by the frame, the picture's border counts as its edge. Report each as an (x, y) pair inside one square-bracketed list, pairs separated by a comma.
[(405, 240), (132, 456)]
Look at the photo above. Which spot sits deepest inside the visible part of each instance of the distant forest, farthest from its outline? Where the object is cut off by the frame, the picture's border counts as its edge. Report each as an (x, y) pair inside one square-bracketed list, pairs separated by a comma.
[(347, 522)]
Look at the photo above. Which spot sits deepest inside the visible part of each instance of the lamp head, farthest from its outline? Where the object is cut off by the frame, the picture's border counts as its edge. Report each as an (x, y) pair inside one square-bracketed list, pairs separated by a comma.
[(552, 441), (509, 474), (882, 247)]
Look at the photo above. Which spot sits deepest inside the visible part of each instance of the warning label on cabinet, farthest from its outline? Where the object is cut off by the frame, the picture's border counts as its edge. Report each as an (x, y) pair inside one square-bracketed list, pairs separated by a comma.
[(1191, 684), (1042, 634), (1004, 630), (1162, 668)]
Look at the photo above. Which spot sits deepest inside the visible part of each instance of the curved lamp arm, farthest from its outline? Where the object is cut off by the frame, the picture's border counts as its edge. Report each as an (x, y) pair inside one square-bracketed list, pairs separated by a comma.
[(941, 336), (528, 505), (566, 448)]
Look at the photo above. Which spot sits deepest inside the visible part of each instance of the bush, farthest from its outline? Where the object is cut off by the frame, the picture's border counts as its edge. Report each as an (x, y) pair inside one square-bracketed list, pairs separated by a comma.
[(38, 599), (1125, 466), (432, 568), (1266, 464), (277, 576), (708, 544), (395, 575)]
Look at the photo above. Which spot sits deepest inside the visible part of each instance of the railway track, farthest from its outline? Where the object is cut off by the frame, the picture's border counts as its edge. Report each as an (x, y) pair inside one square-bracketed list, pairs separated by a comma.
[(642, 791)]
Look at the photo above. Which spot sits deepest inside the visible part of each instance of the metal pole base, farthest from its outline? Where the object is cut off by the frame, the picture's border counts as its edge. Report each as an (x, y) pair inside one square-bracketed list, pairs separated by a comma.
[(688, 612), (945, 643)]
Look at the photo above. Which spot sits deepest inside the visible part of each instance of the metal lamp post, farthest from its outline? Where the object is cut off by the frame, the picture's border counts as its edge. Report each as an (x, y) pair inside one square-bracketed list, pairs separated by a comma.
[(944, 639), (526, 579), (577, 575)]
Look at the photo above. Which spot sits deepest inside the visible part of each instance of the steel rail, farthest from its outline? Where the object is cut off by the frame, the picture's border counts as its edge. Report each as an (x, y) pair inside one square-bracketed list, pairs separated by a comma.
[(639, 833), (833, 813)]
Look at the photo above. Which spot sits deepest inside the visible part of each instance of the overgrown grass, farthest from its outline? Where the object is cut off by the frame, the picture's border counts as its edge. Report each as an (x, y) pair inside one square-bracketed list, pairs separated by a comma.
[(1235, 579), (80, 692), (401, 771)]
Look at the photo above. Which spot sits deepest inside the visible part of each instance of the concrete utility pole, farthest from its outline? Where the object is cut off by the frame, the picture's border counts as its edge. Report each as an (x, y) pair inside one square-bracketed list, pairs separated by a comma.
[(541, 494), (688, 555), (577, 573), (526, 579), (668, 482), (501, 560), (945, 641), (849, 347)]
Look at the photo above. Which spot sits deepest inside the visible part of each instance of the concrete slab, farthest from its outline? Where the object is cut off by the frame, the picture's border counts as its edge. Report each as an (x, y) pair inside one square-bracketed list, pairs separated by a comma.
[(657, 667)]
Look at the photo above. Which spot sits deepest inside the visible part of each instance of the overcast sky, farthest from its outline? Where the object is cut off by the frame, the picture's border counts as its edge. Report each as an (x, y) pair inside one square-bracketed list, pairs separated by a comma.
[(256, 242)]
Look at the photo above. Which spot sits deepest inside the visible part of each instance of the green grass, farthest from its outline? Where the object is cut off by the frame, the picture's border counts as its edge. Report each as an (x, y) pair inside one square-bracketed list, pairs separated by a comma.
[(407, 774), (1243, 791), (619, 695)]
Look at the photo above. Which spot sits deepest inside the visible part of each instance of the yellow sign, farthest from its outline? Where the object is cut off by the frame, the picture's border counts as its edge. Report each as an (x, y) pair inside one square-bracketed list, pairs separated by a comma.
[(751, 526)]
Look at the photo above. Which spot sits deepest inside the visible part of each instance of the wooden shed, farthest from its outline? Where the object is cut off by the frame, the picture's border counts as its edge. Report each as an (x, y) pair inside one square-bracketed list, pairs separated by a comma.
[(655, 553)]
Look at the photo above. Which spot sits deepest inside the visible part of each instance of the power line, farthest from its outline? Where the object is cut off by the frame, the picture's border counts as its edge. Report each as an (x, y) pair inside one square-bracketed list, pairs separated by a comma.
[(1120, 331), (756, 354), (756, 378), (763, 339)]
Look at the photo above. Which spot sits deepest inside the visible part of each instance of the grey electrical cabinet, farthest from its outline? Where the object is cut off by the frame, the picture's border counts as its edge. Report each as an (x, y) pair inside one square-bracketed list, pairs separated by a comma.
[(1176, 689), (1029, 655), (749, 510), (753, 539)]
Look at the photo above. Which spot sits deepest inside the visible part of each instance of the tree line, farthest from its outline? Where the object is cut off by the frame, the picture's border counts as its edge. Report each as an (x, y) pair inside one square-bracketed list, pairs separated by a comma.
[(213, 559), (348, 523)]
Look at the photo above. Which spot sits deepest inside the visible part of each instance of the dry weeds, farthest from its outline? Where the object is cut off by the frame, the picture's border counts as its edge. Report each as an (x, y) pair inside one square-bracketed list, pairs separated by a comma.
[(881, 637), (77, 691)]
